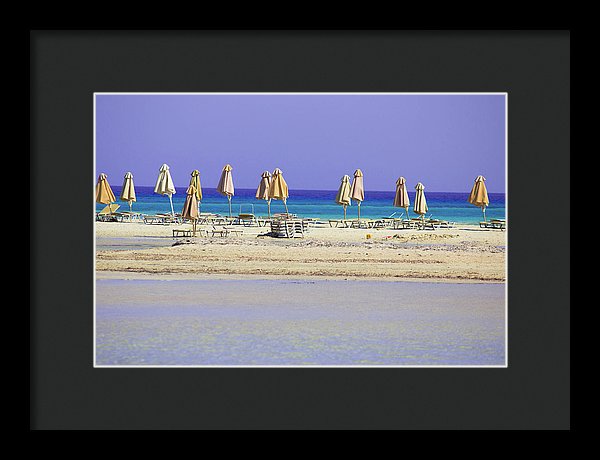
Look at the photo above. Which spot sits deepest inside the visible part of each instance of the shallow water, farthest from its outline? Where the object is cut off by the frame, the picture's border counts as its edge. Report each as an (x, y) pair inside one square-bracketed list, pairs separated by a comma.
[(320, 204), (279, 322), (131, 243)]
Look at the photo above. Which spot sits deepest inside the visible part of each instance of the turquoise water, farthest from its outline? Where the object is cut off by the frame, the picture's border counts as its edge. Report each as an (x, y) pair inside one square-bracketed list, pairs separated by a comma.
[(319, 204), (294, 322)]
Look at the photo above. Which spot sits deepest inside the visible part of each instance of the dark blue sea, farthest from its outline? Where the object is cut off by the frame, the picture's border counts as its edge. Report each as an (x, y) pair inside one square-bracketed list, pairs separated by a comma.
[(319, 204)]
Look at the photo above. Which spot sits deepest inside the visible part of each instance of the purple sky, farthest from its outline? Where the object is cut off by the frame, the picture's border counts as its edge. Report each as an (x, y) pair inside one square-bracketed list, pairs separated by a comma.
[(443, 141)]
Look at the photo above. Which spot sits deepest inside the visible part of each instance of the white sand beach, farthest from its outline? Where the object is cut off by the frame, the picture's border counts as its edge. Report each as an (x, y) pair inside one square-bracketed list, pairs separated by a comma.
[(462, 254)]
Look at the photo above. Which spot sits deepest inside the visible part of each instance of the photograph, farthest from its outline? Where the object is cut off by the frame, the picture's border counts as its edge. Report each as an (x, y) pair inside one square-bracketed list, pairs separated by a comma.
[(300, 229)]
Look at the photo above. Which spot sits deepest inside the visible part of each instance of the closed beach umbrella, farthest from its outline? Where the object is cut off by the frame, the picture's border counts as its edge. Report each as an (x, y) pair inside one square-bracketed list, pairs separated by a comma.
[(128, 191), (357, 191), (343, 194), (262, 192), (195, 181), (164, 185), (225, 186), (190, 206), (479, 195), (401, 199), (279, 189), (420, 202), (104, 194)]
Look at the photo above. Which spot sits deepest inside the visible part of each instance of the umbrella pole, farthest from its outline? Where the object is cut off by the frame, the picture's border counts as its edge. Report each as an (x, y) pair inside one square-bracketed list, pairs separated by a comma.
[(269, 206), (344, 212), (407, 216), (229, 198), (286, 209), (483, 209), (171, 201), (359, 210)]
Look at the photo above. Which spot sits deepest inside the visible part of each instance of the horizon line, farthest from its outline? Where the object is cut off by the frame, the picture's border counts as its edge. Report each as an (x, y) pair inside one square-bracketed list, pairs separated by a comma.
[(307, 189)]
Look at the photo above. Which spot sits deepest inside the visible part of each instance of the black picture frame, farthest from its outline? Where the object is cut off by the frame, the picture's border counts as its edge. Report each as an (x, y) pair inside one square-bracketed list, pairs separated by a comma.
[(67, 67)]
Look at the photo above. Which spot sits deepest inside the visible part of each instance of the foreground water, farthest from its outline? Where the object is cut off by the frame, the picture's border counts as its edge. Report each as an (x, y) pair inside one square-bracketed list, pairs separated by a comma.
[(295, 323), (319, 204)]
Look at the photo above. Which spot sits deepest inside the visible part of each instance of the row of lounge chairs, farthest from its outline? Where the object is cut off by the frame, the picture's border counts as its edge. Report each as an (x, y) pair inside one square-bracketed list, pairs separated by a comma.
[(394, 223), (110, 214), (360, 223), (291, 227), (222, 231)]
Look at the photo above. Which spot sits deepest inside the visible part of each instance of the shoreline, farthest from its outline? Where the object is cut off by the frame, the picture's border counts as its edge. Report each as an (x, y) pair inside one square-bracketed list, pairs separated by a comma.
[(105, 275)]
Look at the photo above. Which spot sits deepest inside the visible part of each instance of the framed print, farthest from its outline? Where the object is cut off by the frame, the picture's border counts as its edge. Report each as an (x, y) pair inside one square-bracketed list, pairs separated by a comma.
[(326, 229)]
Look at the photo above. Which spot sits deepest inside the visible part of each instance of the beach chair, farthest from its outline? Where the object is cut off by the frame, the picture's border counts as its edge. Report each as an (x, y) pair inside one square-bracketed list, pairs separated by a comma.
[(185, 232), (288, 228), (283, 215), (388, 221), (152, 219), (168, 218), (447, 224), (224, 231), (247, 220), (129, 216), (263, 221), (108, 213), (498, 224), (338, 222), (427, 224), (355, 223), (413, 223), (189, 232)]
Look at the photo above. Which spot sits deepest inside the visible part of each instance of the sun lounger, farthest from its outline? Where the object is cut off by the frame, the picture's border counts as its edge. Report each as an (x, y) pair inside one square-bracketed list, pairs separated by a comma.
[(188, 232), (379, 223), (339, 222), (427, 224), (437, 223), (107, 214), (499, 224), (225, 231), (283, 215), (128, 216), (289, 228), (247, 220), (262, 222), (162, 219), (355, 223)]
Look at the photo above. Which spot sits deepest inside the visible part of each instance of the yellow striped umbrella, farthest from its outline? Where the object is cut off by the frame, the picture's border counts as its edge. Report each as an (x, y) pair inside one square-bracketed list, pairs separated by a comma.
[(343, 194), (479, 195), (420, 201), (195, 182), (401, 199), (164, 185), (128, 190), (357, 191), (262, 192), (279, 189), (104, 194), (190, 206), (225, 186)]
